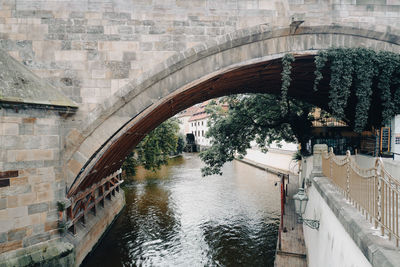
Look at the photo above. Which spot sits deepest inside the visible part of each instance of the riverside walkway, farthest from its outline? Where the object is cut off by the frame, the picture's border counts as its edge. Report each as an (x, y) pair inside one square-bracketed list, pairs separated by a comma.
[(293, 251)]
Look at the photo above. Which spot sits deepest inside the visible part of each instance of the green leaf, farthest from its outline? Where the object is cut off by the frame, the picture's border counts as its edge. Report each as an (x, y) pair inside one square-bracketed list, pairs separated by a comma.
[(155, 148)]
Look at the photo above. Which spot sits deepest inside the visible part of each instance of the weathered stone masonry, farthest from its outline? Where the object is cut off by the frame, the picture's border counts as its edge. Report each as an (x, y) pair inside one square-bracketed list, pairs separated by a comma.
[(31, 180), (91, 48), (115, 58)]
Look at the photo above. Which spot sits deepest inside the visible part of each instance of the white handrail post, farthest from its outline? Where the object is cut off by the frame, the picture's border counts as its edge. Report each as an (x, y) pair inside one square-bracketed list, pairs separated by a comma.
[(330, 154), (379, 194), (348, 174), (319, 150)]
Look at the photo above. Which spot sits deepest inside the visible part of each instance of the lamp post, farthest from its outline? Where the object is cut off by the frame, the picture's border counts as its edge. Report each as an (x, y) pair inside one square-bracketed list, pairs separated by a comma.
[(300, 204)]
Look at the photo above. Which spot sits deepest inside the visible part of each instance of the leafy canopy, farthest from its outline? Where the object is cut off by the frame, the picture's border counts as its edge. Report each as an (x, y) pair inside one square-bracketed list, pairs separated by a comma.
[(251, 117), (361, 82), (154, 150), (360, 79)]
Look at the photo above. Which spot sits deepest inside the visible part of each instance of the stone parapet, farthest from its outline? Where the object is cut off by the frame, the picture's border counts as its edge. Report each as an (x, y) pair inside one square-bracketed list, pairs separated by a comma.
[(378, 250)]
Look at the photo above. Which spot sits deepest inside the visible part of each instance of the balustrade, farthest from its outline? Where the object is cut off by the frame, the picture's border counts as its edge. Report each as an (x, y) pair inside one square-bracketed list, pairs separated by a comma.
[(374, 192)]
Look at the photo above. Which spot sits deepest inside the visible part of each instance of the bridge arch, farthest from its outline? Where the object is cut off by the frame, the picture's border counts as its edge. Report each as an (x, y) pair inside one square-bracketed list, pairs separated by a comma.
[(244, 61)]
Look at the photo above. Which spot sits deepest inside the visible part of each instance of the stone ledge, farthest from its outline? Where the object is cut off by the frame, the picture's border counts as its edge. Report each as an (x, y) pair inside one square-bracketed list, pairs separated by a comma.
[(263, 167), (20, 86), (51, 253), (379, 251)]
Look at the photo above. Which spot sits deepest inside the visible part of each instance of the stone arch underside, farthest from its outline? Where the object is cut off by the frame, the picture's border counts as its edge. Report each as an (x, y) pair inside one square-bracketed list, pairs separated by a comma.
[(245, 61)]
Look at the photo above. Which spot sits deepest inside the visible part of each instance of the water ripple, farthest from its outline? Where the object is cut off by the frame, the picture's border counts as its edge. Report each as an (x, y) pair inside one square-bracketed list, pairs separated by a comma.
[(178, 218)]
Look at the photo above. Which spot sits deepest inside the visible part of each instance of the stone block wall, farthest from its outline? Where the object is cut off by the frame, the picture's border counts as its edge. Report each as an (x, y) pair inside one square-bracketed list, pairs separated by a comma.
[(91, 48), (31, 178)]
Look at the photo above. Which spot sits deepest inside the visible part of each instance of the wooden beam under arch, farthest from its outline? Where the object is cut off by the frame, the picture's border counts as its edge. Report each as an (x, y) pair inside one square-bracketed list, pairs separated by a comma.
[(262, 77)]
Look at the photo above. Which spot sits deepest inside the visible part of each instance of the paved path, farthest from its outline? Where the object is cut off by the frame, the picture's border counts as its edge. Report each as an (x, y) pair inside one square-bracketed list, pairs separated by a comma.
[(263, 167), (293, 250)]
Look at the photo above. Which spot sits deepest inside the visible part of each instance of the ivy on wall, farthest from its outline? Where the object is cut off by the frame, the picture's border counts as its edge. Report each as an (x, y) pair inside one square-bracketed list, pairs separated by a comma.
[(361, 73), (389, 64), (363, 83), (287, 61)]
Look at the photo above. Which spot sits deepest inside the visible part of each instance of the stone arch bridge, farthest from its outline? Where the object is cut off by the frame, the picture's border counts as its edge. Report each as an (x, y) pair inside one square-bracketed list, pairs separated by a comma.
[(83, 81)]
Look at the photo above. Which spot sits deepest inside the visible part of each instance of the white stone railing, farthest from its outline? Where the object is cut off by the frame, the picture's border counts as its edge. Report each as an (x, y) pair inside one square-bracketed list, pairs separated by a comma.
[(373, 191)]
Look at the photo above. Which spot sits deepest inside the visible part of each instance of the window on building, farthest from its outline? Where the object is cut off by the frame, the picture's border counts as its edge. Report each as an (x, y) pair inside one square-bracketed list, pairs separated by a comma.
[(202, 132), (198, 133), (397, 140), (202, 123)]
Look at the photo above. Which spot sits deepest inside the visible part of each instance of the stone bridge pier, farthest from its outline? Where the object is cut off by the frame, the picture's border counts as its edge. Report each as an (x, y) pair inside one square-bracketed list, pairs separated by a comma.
[(83, 81)]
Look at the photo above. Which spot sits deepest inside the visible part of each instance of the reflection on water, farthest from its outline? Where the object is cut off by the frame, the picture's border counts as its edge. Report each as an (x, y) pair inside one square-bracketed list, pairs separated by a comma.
[(176, 217)]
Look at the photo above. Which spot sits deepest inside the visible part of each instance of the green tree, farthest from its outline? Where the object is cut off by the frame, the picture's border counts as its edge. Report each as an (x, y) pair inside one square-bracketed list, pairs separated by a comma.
[(363, 85), (155, 149), (364, 91), (251, 117), (180, 145), (130, 164)]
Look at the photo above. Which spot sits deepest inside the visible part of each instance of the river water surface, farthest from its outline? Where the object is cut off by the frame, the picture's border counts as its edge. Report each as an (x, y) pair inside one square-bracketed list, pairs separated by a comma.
[(176, 217)]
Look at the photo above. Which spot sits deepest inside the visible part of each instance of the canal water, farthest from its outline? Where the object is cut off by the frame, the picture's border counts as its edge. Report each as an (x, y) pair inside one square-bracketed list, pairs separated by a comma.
[(176, 217)]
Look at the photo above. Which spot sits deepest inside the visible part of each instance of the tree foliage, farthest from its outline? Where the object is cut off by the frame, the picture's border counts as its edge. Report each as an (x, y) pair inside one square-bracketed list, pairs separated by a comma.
[(363, 83), (287, 61), (359, 79), (363, 73), (248, 119), (155, 149), (180, 146), (320, 62)]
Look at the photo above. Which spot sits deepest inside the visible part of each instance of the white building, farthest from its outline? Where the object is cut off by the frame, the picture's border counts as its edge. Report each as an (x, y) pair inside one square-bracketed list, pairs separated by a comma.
[(198, 126), (184, 117), (195, 120)]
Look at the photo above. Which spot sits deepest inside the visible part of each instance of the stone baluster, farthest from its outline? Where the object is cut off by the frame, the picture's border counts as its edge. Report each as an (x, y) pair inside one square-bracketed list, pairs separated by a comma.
[(319, 150)]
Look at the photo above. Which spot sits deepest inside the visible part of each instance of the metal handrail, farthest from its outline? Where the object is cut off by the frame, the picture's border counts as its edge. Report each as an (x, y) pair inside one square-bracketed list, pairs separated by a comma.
[(373, 191)]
